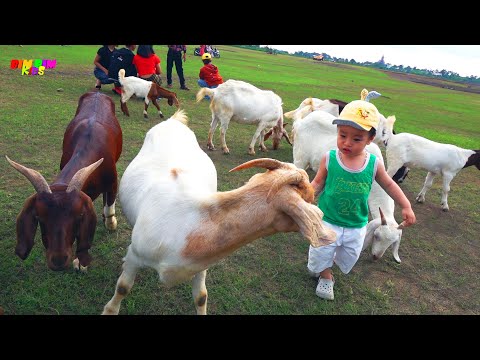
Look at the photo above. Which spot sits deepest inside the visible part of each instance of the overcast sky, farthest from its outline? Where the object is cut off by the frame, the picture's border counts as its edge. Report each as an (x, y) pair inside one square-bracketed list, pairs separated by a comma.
[(462, 59)]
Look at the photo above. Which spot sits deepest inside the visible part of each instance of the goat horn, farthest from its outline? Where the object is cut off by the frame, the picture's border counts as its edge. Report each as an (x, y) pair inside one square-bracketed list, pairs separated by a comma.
[(76, 183), (37, 180), (401, 226), (267, 163), (384, 222), (291, 179)]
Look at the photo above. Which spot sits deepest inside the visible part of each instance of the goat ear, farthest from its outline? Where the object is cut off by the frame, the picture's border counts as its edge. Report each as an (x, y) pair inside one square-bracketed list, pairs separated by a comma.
[(86, 230), (371, 227), (26, 228), (308, 218)]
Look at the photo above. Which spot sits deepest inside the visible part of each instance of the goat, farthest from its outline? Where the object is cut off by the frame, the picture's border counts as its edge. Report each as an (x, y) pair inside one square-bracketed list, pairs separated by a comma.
[(437, 158), (92, 144), (182, 225), (332, 106), (144, 89), (244, 103), (315, 135)]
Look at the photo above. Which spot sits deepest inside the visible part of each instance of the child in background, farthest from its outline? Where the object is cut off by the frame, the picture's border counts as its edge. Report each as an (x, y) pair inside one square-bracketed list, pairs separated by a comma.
[(102, 62), (344, 178), (209, 75), (148, 64)]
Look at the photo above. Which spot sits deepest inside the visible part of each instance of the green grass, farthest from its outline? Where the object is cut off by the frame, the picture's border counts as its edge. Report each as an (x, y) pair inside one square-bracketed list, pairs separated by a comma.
[(438, 273)]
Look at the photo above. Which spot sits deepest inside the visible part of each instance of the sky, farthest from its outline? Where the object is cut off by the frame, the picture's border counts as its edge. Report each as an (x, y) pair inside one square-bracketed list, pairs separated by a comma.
[(462, 59)]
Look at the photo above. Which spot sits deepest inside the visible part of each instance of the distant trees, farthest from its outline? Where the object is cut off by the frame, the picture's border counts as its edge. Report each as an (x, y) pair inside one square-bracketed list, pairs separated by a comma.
[(444, 74)]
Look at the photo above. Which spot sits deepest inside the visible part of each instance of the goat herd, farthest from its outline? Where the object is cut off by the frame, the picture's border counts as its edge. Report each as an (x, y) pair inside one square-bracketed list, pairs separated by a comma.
[(181, 224)]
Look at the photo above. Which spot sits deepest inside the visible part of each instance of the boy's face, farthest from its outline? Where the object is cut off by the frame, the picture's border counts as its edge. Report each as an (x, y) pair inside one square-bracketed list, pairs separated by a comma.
[(352, 141)]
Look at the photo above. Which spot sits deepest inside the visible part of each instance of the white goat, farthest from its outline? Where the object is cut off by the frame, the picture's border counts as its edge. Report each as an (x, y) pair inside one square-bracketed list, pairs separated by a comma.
[(181, 225), (332, 106), (242, 102), (406, 149), (314, 135)]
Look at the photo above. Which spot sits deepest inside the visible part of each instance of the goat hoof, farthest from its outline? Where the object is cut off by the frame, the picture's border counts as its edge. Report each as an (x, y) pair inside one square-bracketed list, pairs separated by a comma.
[(210, 147), (161, 116), (145, 116), (78, 267), (111, 223)]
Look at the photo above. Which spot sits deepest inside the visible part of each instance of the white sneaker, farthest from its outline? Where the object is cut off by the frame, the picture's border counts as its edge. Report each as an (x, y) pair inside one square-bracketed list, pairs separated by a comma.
[(325, 288)]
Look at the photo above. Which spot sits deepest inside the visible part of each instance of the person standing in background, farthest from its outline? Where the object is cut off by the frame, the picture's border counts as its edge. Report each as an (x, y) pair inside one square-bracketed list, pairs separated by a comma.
[(174, 55)]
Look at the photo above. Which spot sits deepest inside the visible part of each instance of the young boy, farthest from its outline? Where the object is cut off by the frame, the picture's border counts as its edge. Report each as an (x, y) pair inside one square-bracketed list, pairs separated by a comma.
[(344, 178), (209, 75)]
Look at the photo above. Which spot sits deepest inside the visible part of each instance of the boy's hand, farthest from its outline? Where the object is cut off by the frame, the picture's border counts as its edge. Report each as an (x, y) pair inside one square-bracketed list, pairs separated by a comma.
[(408, 217)]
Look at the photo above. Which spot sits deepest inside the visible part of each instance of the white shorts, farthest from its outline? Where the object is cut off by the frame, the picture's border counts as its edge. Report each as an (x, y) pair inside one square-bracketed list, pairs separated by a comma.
[(344, 252)]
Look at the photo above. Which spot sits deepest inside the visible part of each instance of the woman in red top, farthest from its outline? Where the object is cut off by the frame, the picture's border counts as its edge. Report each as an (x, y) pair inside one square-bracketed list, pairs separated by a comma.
[(148, 64), (209, 75)]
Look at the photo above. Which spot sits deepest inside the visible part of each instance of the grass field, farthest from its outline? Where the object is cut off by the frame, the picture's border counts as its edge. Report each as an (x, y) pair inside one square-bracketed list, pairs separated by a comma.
[(440, 254)]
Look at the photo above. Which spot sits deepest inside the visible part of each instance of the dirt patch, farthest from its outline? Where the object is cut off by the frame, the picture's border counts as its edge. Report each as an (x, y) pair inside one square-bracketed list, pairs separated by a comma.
[(419, 79), (445, 84)]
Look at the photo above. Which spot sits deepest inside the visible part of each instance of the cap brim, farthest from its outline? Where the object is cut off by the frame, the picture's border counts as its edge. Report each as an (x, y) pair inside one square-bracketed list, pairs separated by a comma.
[(350, 123)]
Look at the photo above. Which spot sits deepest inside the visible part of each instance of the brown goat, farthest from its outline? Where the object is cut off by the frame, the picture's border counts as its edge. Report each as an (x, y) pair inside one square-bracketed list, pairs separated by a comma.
[(92, 144), (132, 85)]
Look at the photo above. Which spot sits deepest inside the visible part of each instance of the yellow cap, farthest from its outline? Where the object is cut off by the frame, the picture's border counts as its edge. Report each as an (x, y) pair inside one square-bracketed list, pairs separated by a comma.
[(360, 114), (206, 56)]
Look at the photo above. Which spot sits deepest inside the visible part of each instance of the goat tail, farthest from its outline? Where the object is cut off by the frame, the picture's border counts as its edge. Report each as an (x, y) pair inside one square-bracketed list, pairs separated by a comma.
[(121, 75), (204, 91), (181, 116)]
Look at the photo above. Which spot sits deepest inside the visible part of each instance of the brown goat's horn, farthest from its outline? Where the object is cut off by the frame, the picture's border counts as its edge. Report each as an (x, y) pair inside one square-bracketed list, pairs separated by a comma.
[(401, 226), (291, 179), (384, 222), (267, 163), (76, 183), (37, 180)]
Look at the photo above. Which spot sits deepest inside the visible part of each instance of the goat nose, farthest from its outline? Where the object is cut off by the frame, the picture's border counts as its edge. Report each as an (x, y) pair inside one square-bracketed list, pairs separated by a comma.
[(375, 257), (59, 262)]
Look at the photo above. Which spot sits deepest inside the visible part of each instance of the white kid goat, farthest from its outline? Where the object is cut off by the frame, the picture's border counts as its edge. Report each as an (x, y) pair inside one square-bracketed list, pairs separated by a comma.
[(182, 225), (406, 149), (244, 103), (314, 135), (332, 106)]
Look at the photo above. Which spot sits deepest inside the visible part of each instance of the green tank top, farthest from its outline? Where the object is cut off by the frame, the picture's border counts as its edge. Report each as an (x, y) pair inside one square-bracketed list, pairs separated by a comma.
[(344, 197)]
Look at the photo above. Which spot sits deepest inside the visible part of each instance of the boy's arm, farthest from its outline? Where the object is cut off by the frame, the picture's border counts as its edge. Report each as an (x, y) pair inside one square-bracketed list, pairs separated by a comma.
[(392, 189), (318, 181), (96, 61)]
